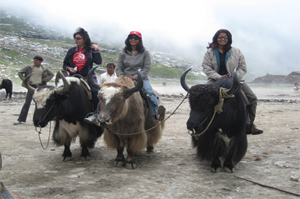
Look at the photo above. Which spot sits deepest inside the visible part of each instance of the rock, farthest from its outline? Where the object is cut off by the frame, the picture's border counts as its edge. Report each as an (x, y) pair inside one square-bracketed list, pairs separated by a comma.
[(294, 178)]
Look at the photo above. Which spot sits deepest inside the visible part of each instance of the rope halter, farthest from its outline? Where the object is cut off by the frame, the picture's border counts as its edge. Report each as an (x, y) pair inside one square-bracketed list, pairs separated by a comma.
[(217, 109)]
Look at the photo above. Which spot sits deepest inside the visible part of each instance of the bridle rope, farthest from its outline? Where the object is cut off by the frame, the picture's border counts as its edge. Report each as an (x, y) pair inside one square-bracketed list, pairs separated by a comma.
[(40, 131), (153, 126), (217, 109)]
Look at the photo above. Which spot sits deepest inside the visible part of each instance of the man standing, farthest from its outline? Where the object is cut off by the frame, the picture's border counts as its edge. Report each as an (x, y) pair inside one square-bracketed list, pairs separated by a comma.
[(41, 75), (110, 75)]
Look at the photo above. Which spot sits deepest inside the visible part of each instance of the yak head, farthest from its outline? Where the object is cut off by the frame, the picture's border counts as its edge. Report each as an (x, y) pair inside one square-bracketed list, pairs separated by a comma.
[(114, 97), (47, 99), (203, 99)]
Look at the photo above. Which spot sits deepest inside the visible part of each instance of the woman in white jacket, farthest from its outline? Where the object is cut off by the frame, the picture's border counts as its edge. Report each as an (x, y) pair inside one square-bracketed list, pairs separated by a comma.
[(220, 60)]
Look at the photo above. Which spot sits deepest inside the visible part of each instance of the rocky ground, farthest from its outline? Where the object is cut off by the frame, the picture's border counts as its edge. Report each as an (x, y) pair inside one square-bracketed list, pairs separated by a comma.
[(171, 171)]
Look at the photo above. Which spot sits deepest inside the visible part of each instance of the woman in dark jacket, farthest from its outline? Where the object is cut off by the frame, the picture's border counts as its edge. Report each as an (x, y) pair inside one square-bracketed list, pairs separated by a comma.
[(80, 59)]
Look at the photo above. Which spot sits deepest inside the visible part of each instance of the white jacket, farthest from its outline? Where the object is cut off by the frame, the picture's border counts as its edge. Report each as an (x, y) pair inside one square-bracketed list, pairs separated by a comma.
[(234, 59)]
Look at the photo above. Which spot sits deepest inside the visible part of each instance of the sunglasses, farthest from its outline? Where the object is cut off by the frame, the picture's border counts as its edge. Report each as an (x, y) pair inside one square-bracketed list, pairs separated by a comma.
[(221, 37), (77, 38), (134, 37)]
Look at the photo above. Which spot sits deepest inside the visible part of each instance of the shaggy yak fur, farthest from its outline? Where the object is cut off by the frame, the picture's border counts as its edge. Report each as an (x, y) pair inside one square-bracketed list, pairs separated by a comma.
[(8, 86), (67, 105), (126, 118), (226, 138)]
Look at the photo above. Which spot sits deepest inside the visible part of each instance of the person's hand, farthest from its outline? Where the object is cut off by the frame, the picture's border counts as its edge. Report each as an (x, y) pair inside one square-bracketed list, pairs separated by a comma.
[(227, 75), (72, 70), (43, 80), (29, 82), (95, 46), (131, 77)]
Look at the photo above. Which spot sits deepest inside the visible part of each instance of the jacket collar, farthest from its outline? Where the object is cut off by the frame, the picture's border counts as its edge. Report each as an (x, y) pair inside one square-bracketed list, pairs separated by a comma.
[(77, 49)]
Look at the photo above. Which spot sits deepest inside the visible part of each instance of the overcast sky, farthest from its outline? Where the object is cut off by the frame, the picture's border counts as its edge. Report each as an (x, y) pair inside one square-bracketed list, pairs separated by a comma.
[(266, 31)]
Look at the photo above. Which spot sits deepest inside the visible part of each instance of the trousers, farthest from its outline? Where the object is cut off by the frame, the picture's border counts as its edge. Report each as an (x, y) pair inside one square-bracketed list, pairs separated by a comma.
[(251, 108), (26, 106), (150, 96)]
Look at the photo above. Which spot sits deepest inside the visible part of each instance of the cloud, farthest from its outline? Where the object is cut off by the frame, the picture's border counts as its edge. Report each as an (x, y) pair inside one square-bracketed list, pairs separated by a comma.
[(265, 31)]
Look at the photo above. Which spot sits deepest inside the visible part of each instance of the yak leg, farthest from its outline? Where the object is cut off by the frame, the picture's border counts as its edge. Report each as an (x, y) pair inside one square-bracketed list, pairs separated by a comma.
[(84, 152), (237, 150), (67, 151), (215, 165), (150, 149), (120, 159), (130, 162)]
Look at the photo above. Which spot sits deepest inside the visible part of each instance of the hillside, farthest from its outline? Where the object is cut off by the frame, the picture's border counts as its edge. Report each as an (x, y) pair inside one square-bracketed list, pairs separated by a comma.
[(21, 40), (289, 79)]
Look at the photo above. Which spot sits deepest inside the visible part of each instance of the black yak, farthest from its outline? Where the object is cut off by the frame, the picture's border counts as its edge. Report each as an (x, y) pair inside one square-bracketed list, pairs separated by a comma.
[(8, 86), (67, 105), (220, 131)]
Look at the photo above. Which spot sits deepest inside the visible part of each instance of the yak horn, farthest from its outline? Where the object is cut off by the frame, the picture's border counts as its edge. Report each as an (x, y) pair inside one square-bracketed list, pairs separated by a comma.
[(29, 88), (138, 87), (66, 86), (182, 80), (91, 80), (235, 84)]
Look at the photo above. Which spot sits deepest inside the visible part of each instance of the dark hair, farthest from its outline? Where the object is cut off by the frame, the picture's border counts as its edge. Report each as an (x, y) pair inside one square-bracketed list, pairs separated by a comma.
[(84, 34), (38, 58), (140, 47), (111, 64), (214, 45)]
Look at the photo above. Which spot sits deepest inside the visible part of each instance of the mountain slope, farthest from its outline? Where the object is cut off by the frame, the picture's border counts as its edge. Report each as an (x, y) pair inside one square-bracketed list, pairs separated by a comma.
[(21, 40)]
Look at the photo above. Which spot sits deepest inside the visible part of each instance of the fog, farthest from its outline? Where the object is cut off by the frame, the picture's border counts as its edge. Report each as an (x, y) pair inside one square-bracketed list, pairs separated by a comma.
[(265, 31)]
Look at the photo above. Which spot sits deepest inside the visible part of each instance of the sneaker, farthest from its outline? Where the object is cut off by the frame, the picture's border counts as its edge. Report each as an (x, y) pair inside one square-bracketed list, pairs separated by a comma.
[(18, 122), (252, 129), (91, 119), (160, 112)]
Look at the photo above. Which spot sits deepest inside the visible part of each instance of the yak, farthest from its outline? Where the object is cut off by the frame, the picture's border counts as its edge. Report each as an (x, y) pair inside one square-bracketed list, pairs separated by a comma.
[(67, 105), (126, 119), (220, 138), (8, 86)]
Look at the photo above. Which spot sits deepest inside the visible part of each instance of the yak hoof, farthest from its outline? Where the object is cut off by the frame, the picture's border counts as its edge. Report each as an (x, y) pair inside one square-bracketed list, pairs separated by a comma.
[(228, 167), (85, 152), (215, 168), (228, 170), (67, 158), (85, 155), (150, 149), (67, 155), (119, 161), (131, 165)]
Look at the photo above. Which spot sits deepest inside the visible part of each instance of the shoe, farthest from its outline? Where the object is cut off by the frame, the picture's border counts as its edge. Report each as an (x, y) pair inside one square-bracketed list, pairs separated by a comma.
[(91, 118), (160, 112), (18, 122), (252, 129)]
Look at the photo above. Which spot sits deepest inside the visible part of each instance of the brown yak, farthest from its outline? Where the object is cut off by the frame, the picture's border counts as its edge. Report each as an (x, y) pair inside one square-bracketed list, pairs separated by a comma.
[(126, 119)]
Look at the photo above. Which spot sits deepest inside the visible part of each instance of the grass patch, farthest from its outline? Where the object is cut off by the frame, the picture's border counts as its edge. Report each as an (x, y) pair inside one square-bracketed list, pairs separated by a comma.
[(161, 71)]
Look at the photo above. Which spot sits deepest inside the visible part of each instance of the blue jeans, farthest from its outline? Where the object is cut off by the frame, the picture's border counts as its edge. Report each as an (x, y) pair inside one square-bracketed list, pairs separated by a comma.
[(94, 94), (151, 97)]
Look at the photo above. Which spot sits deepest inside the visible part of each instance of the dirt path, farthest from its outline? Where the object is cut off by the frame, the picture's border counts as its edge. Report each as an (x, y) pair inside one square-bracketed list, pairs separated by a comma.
[(171, 171)]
